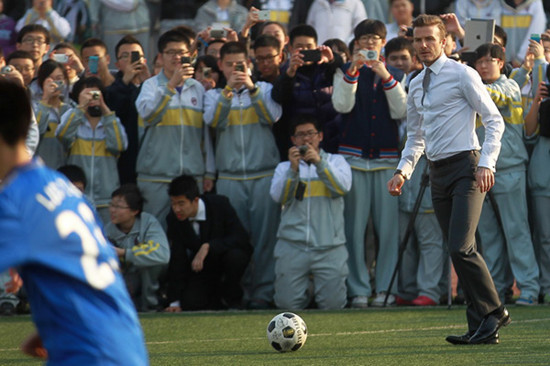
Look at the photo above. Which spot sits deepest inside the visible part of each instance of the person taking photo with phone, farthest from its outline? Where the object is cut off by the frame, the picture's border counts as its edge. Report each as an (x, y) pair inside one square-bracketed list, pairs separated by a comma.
[(305, 87), (121, 97), (174, 138), (243, 113), (371, 98)]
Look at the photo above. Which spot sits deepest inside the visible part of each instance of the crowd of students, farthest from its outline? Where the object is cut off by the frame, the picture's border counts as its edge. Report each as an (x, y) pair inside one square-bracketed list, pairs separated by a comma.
[(228, 97)]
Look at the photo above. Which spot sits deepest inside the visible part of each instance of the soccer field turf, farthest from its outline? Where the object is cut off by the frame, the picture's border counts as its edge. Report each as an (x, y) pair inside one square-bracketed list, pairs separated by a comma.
[(394, 336)]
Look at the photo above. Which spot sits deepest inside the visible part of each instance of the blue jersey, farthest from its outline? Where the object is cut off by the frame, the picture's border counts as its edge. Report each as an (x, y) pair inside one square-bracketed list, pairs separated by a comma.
[(78, 298)]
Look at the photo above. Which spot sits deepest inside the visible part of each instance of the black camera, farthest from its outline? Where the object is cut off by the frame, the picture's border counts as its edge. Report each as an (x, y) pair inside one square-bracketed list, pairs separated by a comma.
[(303, 150), (311, 55), (186, 60), (409, 32)]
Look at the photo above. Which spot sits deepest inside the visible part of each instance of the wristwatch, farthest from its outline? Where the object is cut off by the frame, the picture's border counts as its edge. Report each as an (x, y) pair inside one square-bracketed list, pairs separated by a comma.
[(400, 172)]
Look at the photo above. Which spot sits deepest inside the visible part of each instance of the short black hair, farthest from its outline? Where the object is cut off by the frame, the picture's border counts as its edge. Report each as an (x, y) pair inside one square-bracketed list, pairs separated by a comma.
[(16, 112), (340, 46), (501, 33), (187, 32), (265, 40), (66, 45), (302, 30), (232, 48), (129, 39), (19, 54), (492, 49), (272, 22), (33, 28), (370, 26), (46, 70), (93, 42), (132, 195), (172, 36), (184, 185), (209, 61), (302, 119), (90, 82), (399, 44), (74, 173)]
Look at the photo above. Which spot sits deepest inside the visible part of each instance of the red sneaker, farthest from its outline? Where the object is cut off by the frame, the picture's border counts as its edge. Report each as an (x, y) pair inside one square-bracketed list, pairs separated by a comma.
[(423, 301), (399, 301)]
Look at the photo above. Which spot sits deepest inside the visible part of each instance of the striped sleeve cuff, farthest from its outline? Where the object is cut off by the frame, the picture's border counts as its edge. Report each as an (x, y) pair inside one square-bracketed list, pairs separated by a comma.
[(351, 79), (389, 83)]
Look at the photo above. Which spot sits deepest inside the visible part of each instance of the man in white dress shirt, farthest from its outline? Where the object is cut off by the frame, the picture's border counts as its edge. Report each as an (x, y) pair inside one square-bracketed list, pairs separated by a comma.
[(441, 108)]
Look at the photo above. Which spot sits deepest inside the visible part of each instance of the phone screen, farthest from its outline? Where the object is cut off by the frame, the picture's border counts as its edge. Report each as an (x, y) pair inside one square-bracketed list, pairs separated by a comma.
[(92, 64)]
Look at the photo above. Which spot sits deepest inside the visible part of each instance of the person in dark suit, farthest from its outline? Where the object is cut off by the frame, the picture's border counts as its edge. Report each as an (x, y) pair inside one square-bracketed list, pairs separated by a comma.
[(210, 249)]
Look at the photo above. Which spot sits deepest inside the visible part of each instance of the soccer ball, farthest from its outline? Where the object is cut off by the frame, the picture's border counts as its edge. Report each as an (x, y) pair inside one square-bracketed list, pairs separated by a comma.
[(287, 332)]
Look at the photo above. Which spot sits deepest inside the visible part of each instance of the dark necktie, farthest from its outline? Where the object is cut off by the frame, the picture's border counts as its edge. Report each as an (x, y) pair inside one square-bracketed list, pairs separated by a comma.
[(426, 83)]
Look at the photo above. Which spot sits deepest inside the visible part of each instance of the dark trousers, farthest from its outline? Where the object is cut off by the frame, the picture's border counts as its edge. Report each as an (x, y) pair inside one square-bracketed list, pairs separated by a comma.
[(457, 203), (218, 285)]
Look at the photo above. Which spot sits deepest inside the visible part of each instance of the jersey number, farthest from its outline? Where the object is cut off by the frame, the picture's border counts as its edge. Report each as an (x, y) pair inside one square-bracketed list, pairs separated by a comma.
[(98, 275)]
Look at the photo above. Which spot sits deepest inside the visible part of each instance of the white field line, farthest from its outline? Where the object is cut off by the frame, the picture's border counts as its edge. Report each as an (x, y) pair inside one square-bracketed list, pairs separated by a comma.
[(381, 331)]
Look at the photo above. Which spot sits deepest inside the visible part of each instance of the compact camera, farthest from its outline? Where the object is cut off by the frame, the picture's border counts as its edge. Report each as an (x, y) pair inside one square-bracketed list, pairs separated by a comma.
[(239, 67), (369, 55), (95, 94), (218, 33), (303, 150), (6, 70), (60, 57)]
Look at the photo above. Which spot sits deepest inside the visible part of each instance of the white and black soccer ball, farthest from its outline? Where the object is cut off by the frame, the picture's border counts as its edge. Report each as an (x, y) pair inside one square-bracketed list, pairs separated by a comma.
[(287, 332)]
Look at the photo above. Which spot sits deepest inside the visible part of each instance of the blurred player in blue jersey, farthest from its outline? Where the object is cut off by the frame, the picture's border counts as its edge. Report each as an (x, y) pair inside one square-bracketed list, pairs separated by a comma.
[(49, 234)]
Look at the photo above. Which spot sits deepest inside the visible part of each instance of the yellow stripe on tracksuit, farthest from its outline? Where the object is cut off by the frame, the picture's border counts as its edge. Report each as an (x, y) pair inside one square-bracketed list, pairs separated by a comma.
[(165, 100), (516, 21), (333, 182), (511, 110), (90, 147), (69, 121), (265, 113), (192, 118), (145, 248), (286, 192), (118, 136)]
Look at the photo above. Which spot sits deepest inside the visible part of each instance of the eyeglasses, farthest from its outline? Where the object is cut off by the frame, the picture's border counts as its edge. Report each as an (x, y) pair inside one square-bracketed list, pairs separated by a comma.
[(370, 38), (24, 69), (118, 207), (301, 135), (179, 53), (31, 40), (483, 62), (268, 59), (124, 55)]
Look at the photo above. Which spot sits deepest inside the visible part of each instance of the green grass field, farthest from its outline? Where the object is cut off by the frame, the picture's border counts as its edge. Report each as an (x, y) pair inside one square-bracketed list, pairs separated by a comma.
[(395, 336)]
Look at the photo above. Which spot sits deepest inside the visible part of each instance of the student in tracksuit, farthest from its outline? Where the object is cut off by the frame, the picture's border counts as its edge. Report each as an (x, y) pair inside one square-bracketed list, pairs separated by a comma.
[(140, 244), (538, 179), (246, 156), (311, 241), (174, 139), (94, 138), (507, 243)]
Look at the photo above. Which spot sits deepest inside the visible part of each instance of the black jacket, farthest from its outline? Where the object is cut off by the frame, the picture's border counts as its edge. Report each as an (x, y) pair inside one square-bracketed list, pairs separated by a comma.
[(222, 230)]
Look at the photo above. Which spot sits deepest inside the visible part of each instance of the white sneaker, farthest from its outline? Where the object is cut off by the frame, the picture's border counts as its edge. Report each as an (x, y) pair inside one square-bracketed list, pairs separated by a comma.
[(360, 302), (379, 300)]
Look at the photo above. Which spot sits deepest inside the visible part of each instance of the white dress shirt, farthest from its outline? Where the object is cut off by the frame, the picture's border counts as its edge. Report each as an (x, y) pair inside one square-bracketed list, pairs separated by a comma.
[(445, 124), (200, 216)]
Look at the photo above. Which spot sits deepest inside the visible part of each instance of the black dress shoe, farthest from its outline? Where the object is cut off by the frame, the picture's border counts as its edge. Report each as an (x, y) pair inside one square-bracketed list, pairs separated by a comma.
[(489, 326), (465, 339)]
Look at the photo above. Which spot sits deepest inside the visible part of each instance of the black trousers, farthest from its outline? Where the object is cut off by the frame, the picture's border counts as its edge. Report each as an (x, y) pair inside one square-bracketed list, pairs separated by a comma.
[(218, 285), (457, 203)]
